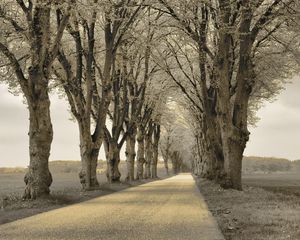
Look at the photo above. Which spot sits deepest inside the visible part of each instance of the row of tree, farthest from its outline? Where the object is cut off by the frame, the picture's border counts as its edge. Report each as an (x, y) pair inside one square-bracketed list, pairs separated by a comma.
[(228, 56), (128, 61), (98, 54)]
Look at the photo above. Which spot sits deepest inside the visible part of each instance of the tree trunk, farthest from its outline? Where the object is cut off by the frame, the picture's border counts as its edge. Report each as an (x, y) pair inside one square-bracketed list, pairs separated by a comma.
[(165, 152), (154, 162), (233, 114), (204, 163), (89, 158), (140, 155), (94, 164), (214, 147), (38, 178), (210, 162), (224, 102), (130, 156), (149, 156), (88, 173), (176, 162), (237, 134), (233, 144), (235, 138), (233, 149), (166, 160), (113, 159), (195, 160)]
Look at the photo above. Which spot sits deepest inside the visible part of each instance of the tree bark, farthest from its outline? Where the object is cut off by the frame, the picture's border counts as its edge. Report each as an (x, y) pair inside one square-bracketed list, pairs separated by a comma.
[(214, 150), (203, 163), (94, 164), (148, 157), (236, 135), (130, 156), (88, 173), (89, 152), (165, 151), (208, 149), (154, 160), (140, 154), (113, 159), (166, 160), (38, 178)]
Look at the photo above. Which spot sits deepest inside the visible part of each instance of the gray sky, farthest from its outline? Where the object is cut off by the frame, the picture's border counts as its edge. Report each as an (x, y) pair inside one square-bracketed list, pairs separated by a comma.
[(277, 133)]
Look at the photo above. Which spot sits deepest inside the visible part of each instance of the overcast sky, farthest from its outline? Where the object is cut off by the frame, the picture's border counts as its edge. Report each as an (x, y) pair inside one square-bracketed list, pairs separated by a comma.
[(277, 134)]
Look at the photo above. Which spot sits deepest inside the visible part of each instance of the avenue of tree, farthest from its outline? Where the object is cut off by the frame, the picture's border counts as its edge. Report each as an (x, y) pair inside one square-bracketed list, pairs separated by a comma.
[(181, 79)]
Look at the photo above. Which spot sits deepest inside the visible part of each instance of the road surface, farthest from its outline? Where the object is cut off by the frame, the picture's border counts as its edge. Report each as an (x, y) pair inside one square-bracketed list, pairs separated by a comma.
[(166, 209)]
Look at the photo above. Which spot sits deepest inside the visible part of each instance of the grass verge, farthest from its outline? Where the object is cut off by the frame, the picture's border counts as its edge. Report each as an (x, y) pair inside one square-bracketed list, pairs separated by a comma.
[(254, 213)]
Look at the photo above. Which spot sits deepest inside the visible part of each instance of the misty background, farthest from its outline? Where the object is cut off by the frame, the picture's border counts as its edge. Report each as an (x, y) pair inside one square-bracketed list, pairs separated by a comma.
[(276, 134)]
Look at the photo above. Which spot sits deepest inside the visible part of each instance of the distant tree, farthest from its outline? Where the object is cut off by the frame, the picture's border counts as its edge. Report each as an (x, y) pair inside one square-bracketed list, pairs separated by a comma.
[(177, 134), (165, 146), (176, 162)]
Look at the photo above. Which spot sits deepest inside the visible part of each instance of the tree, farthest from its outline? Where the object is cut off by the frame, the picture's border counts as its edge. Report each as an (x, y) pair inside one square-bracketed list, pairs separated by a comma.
[(113, 139), (226, 38), (156, 99), (143, 153), (78, 77), (90, 79), (31, 23), (124, 103), (257, 23), (176, 162), (165, 145), (181, 64), (177, 135)]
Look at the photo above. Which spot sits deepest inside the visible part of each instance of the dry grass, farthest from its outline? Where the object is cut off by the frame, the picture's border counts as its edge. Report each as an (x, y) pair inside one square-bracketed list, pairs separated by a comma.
[(255, 213)]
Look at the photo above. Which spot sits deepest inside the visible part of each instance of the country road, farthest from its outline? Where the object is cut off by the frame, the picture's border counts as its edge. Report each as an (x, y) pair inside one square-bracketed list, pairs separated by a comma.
[(165, 209)]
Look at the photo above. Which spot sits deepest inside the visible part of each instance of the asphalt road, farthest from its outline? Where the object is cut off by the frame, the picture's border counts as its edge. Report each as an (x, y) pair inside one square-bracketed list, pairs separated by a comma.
[(166, 209)]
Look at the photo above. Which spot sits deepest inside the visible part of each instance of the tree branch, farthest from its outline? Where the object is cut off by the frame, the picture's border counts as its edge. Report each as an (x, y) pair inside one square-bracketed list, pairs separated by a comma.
[(17, 68)]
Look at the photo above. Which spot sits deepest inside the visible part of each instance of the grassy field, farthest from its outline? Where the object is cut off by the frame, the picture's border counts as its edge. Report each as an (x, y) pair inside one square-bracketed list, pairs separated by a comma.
[(267, 209), (285, 183)]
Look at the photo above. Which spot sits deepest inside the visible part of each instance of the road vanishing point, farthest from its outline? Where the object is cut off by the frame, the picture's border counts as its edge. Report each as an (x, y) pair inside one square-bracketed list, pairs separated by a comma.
[(172, 208)]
